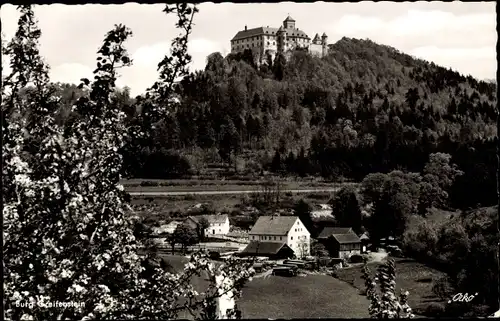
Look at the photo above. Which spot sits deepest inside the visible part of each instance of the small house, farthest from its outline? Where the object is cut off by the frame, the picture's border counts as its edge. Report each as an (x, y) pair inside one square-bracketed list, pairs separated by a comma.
[(218, 224), (271, 250), (365, 242), (341, 242), (166, 228)]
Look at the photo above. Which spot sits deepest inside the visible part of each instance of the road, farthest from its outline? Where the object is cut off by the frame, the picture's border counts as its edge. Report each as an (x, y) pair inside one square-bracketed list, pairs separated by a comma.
[(296, 191)]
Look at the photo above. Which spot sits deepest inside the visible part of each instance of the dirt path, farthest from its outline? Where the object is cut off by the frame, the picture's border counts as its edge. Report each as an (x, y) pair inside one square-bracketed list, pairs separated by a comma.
[(181, 193)]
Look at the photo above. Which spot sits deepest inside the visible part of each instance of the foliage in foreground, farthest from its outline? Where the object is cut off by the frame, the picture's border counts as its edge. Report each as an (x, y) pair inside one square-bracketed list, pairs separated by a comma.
[(386, 305), (67, 234)]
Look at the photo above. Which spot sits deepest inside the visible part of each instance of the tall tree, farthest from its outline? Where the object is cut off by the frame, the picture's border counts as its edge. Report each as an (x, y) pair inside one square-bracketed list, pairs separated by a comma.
[(346, 209), (68, 232)]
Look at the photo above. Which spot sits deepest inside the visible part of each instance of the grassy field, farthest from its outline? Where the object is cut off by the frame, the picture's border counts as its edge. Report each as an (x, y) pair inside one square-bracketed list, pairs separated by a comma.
[(311, 296), (163, 205), (410, 275)]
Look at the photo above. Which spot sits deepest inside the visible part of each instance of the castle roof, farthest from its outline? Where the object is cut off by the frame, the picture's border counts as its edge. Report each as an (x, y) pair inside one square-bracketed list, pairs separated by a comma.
[(255, 32), (268, 31), (316, 38), (289, 19), (324, 35)]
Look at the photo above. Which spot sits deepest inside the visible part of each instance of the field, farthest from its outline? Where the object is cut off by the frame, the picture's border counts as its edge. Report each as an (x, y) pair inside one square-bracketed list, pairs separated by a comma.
[(311, 296), (410, 275), (163, 205), (193, 185)]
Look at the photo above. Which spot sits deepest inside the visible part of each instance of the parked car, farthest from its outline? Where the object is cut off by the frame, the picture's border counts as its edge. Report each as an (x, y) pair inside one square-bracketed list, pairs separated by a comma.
[(258, 267), (285, 271)]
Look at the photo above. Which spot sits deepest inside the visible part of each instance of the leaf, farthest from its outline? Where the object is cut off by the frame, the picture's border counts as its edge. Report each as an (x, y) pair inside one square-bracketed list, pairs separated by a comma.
[(85, 81)]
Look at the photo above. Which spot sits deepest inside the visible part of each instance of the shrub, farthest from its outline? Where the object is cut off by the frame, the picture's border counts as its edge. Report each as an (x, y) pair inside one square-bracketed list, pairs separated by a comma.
[(435, 310), (356, 258)]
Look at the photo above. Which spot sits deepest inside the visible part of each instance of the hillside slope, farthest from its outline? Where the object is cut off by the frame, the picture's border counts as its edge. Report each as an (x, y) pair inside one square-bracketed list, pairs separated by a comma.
[(364, 108)]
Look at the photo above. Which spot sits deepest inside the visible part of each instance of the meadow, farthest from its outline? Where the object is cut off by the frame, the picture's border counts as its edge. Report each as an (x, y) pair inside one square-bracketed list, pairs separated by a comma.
[(411, 276), (310, 296)]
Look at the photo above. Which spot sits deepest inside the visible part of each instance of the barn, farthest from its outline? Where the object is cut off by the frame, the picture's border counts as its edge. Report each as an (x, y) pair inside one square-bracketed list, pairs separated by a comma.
[(341, 242)]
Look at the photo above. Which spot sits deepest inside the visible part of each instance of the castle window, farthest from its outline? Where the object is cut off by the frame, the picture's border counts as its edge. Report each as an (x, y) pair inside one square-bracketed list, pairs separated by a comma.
[(268, 43)]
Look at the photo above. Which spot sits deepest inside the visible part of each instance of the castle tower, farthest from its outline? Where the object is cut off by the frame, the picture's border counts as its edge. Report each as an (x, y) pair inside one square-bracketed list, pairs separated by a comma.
[(281, 34), (289, 23), (324, 44), (316, 40)]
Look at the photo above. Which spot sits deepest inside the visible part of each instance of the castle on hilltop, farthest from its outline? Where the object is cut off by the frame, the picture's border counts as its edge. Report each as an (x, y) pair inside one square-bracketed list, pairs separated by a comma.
[(269, 41)]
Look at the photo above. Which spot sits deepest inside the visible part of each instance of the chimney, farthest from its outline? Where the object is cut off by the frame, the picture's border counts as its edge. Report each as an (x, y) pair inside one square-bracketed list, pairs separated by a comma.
[(245, 27)]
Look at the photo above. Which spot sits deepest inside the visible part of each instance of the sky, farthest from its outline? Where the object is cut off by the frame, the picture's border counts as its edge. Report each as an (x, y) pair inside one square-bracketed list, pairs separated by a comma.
[(458, 35)]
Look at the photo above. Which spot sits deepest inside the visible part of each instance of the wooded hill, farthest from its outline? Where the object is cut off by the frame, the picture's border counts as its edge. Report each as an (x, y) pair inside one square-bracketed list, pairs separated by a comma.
[(364, 108)]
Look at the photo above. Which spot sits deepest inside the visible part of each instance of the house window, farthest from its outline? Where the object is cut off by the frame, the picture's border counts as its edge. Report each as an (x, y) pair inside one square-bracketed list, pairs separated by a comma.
[(291, 237), (281, 238), (275, 238)]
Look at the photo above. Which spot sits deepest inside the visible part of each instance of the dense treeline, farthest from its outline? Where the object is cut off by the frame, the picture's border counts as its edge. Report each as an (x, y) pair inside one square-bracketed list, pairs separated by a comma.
[(364, 108)]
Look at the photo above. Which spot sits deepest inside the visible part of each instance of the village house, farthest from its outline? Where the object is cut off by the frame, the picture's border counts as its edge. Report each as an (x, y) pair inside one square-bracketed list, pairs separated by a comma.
[(218, 224), (341, 242), (166, 228), (283, 229)]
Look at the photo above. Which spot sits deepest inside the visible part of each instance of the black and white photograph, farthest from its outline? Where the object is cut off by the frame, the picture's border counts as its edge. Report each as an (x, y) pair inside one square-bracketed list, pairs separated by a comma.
[(253, 160)]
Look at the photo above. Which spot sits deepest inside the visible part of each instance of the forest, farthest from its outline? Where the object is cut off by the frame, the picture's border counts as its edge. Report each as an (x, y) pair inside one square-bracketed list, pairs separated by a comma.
[(365, 108)]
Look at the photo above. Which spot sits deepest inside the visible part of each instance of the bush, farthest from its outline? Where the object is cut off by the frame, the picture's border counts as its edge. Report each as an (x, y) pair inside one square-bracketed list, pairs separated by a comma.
[(243, 222), (435, 310), (149, 183), (356, 258)]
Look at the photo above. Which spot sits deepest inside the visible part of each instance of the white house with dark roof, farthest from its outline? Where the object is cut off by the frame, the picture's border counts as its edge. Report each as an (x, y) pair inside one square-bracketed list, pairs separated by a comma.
[(218, 224), (272, 40), (283, 229)]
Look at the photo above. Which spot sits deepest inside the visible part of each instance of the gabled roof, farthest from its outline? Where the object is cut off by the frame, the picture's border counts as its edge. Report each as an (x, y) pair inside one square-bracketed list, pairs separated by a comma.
[(212, 219), (273, 225), (341, 234), (296, 33), (347, 238), (264, 248), (365, 236), (329, 231), (255, 32)]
